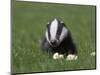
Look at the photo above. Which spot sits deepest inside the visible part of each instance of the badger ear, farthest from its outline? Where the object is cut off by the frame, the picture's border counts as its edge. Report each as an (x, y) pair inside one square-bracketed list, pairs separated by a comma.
[(62, 23), (48, 23)]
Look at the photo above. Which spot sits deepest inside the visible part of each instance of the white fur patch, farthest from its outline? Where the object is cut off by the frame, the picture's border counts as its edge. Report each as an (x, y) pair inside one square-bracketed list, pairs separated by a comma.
[(58, 56), (72, 57), (63, 33), (61, 22), (46, 34), (53, 29)]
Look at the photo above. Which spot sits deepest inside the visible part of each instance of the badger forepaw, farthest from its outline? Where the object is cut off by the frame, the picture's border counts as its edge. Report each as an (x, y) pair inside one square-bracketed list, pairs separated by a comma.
[(72, 57), (58, 56)]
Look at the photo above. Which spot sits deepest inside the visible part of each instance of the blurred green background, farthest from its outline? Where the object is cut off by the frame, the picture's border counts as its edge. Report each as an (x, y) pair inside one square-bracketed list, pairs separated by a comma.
[(29, 21)]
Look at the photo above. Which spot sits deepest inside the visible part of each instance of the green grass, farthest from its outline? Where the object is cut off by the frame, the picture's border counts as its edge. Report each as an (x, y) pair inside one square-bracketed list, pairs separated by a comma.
[(28, 26)]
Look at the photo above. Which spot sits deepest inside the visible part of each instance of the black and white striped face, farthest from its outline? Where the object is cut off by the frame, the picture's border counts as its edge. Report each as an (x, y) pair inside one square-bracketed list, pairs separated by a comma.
[(56, 32)]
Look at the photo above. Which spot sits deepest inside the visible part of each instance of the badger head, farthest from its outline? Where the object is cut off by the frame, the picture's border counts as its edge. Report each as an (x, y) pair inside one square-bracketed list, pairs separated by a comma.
[(56, 32)]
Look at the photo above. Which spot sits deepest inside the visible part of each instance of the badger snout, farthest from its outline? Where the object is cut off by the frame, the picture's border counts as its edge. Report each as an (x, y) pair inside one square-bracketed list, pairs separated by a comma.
[(54, 43)]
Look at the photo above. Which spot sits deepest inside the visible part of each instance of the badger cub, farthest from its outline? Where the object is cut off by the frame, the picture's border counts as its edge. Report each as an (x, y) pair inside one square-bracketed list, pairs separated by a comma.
[(58, 41)]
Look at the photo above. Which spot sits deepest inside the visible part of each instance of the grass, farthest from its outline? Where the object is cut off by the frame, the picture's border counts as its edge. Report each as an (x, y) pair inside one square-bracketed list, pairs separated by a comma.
[(28, 26)]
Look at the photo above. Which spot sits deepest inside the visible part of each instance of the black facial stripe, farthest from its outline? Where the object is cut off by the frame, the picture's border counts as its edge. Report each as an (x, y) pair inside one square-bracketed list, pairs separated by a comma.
[(59, 30)]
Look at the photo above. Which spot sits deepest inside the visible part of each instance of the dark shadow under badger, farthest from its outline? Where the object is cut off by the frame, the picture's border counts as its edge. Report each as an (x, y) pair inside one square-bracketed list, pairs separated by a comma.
[(58, 39)]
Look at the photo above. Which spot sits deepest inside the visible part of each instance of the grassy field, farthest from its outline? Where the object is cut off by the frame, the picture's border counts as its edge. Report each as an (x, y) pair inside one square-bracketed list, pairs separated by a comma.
[(28, 26)]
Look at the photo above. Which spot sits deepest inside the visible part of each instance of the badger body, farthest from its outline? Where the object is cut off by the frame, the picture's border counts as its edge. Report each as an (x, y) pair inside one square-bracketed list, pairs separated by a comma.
[(58, 39)]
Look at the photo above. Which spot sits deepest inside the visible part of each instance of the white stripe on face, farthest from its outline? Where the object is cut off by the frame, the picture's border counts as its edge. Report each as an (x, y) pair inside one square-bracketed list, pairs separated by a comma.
[(53, 29), (47, 38), (63, 33), (46, 34)]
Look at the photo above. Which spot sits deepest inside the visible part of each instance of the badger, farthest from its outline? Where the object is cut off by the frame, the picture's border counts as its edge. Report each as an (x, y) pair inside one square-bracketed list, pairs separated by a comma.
[(58, 41)]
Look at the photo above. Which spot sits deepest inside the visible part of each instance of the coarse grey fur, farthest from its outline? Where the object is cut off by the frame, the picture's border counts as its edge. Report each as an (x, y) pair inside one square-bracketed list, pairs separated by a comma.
[(65, 45)]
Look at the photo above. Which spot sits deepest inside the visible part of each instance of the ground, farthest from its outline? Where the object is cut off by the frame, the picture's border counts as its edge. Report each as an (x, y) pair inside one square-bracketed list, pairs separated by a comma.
[(28, 26)]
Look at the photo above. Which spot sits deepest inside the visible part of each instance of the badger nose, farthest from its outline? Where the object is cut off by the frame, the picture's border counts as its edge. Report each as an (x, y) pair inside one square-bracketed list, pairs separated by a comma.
[(53, 42)]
